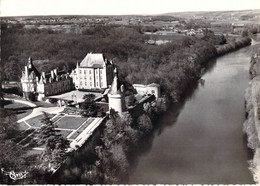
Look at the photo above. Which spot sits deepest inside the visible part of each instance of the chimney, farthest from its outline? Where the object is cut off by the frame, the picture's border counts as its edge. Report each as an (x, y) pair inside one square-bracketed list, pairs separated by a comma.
[(26, 71), (29, 62), (52, 74), (43, 75), (55, 72)]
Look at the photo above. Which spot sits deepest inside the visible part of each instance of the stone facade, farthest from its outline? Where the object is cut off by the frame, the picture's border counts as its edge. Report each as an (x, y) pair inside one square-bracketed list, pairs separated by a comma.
[(29, 79), (94, 72), (37, 86), (56, 82)]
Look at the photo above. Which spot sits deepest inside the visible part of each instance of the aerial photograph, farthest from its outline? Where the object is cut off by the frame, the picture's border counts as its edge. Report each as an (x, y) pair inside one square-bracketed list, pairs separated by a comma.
[(129, 92)]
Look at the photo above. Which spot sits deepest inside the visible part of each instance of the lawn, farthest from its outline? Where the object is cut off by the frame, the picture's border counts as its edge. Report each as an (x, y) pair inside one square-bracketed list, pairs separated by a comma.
[(75, 135), (64, 133), (83, 127), (23, 126), (36, 121), (90, 120), (56, 119), (68, 122)]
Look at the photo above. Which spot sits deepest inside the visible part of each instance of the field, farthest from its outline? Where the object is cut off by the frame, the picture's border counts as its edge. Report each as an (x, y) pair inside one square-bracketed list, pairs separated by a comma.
[(70, 122)]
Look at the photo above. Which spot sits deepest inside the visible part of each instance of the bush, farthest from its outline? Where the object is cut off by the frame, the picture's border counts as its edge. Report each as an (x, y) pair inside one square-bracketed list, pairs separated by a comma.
[(144, 124), (245, 33)]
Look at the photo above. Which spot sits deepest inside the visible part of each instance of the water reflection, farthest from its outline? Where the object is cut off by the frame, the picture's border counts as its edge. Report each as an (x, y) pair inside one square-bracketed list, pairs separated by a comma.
[(203, 142), (167, 120)]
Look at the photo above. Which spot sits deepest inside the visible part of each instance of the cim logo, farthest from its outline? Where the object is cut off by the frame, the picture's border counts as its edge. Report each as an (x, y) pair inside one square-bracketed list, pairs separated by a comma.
[(15, 175)]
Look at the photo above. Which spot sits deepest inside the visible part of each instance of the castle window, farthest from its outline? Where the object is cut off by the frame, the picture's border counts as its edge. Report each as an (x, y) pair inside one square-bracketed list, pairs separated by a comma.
[(90, 78), (85, 77), (85, 83), (81, 83), (80, 71), (84, 71), (90, 84), (96, 71), (100, 71), (89, 71)]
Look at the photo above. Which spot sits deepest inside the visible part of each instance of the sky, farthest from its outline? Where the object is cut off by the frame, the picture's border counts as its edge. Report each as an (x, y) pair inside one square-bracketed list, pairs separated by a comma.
[(118, 7)]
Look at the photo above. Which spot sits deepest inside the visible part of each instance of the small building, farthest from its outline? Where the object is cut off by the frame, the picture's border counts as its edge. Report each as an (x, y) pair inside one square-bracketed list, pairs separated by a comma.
[(94, 72), (238, 28), (152, 89), (37, 86)]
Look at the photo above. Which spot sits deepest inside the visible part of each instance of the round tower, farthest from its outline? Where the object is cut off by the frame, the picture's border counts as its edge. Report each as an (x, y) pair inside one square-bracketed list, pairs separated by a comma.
[(116, 98)]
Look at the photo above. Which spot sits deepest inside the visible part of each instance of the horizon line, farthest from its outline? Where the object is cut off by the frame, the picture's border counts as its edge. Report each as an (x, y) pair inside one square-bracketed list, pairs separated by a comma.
[(138, 14)]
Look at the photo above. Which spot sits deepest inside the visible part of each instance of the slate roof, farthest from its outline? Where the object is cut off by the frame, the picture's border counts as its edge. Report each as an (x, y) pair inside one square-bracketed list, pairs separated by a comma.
[(93, 60), (31, 67)]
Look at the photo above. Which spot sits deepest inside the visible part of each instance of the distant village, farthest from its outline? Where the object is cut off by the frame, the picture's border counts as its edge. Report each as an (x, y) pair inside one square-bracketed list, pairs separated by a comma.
[(94, 75)]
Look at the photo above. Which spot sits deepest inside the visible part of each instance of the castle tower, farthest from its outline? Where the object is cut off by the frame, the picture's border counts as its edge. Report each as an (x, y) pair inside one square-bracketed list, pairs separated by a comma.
[(29, 81), (116, 99)]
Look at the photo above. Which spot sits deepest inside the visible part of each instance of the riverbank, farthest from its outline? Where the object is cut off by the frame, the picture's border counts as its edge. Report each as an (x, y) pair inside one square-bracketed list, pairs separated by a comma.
[(190, 147), (252, 123), (232, 46), (121, 137)]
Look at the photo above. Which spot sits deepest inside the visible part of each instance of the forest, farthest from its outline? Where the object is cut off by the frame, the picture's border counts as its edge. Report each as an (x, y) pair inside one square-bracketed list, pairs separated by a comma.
[(172, 65)]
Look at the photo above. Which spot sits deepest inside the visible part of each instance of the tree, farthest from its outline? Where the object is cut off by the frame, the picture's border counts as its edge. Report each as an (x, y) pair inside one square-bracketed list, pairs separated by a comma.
[(56, 145), (11, 69), (8, 125), (1, 91), (47, 129), (89, 98), (245, 33), (130, 100), (89, 105), (11, 158), (254, 30), (144, 124), (11, 153)]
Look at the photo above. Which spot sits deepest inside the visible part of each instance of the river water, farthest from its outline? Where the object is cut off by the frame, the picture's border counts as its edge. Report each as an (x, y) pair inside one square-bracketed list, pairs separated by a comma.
[(200, 141)]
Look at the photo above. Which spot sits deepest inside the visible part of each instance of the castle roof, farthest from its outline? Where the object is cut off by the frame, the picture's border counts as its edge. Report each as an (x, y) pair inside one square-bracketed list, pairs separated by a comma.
[(93, 60), (57, 76), (31, 67), (59, 73), (117, 87)]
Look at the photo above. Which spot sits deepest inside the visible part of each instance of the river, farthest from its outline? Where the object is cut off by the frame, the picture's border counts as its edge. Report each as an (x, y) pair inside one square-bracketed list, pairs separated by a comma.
[(201, 141)]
